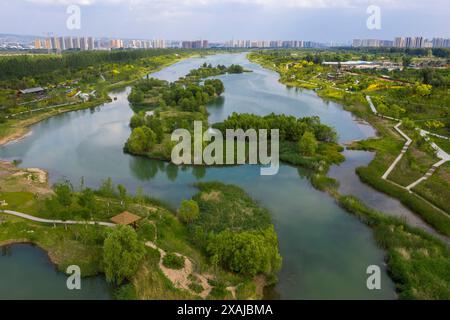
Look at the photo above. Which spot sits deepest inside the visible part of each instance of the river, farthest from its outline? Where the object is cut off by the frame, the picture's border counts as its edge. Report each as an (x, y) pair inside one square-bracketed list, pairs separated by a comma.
[(27, 273), (325, 250)]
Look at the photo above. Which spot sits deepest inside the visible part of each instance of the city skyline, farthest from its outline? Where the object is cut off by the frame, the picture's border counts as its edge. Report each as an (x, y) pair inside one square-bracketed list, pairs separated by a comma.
[(62, 43), (323, 21)]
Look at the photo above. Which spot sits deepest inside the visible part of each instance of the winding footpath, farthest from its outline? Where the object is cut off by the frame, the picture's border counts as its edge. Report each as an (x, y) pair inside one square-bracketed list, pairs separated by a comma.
[(441, 154), (50, 221)]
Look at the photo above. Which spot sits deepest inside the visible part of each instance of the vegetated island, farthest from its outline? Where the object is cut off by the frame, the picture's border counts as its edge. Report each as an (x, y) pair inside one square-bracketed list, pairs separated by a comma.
[(163, 107)]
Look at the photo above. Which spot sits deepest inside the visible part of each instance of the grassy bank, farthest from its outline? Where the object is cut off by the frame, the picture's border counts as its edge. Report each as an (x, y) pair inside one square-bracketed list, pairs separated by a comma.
[(15, 127), (295, 70), (417, 262)]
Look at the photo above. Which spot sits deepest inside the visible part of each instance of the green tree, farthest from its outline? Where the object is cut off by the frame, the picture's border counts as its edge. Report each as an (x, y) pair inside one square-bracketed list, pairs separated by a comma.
[(141, 140), (397, 111), (137, 120), (408, 123), (136, 96), (407, 61), (122, 254), (107, 188), (122, 193), (63, 192), (189, 211), (307, 144), (422, 89), (86, 199), (248, 253)]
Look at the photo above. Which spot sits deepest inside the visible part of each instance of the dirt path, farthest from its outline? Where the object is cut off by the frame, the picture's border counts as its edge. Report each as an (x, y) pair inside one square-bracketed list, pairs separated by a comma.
[(181, 278)]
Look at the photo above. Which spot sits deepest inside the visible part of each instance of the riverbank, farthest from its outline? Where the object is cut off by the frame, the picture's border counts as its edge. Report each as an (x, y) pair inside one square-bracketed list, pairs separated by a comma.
[(16, 129), (81, 243), (418, 274), (387, 145), (326, 247)]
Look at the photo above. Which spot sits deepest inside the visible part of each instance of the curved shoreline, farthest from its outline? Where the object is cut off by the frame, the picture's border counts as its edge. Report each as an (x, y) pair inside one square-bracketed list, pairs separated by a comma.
[(441, 236)]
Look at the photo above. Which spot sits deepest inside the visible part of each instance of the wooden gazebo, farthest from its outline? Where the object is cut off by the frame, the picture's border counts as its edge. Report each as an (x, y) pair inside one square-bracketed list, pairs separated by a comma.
[(126, 218)]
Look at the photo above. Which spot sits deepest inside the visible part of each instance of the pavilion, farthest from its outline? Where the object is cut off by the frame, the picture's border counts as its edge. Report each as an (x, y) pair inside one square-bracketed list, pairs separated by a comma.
[(125, 219)]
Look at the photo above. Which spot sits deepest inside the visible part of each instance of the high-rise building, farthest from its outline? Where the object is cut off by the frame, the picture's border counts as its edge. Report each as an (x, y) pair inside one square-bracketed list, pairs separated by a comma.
[(117, 44), (48, 44), (399, 42), (356, 43), (68, 43), (54, 43), (76, 43), (38, 44), (83, 43), (61, 44), (413, 42), (90, 43), (197, 44)]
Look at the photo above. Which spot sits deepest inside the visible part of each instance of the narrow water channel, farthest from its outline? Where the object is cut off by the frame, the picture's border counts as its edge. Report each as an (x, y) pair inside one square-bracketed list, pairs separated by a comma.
[(325, 250)]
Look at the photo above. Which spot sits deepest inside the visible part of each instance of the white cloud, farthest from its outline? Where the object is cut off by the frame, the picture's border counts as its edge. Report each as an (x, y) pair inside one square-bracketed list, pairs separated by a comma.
[(205, 3)]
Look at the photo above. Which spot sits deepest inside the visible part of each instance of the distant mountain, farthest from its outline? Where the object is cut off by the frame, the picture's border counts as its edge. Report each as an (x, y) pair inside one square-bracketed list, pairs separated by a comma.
[(24, 39)]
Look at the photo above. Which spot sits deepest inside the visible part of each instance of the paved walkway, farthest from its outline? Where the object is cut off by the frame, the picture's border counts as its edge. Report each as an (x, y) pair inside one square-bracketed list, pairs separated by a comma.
[(50, 221), (400, 156)]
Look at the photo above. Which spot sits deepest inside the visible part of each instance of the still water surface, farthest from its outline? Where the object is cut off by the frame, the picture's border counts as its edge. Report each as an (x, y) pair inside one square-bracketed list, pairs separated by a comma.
[(325, 250)]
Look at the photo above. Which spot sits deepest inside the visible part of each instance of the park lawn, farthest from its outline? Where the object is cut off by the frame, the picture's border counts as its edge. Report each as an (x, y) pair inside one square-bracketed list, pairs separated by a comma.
[(444, 144), (414, 164), (436, 189), (21, 201), (387, 148)]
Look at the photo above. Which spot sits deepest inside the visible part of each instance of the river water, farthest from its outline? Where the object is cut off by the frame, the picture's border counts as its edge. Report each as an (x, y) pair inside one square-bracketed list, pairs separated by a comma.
[(27, 273), (325, 250)]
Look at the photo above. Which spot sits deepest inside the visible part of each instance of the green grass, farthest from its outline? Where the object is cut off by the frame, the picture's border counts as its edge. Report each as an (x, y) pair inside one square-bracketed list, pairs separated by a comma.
[(21, 201), (228, 207), (80, 245), (436, 189), (151, 284), (414, 164)]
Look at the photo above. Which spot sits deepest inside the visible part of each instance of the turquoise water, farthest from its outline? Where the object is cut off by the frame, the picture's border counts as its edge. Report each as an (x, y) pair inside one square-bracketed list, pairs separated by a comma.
[(325, 250), (27, 273)]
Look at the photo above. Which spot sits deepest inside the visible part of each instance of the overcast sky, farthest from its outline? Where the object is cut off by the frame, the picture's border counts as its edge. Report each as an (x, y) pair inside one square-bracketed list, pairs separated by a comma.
[(321, 20)]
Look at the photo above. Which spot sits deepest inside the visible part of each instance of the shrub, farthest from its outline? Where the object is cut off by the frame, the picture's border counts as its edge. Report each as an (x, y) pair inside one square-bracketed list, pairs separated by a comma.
[(189, 211), (122, 253), (173, 261), (248, 253)]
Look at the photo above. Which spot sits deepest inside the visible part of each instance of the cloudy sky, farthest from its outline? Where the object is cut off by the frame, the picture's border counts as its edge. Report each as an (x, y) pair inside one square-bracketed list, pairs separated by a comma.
[(320, 20)]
